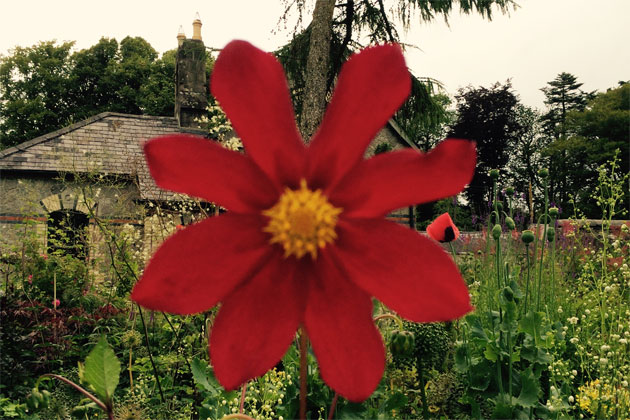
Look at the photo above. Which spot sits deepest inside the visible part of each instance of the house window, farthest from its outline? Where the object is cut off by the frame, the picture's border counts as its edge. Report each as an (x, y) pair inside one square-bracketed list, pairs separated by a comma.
[(67, 233)]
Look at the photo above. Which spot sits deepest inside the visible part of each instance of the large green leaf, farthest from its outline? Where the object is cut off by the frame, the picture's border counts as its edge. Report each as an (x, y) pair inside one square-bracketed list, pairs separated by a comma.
[(102, 371), (204, 377), (530, 389)]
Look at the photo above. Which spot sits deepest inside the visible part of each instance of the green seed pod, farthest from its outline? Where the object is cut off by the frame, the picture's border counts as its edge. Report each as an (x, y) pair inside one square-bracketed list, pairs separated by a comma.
[(551, 235), (402, 343), (509, 222), (543, 172), (509, 191), (527, 236), (553, 212), (46, 397), (494, 173), (496, 232)]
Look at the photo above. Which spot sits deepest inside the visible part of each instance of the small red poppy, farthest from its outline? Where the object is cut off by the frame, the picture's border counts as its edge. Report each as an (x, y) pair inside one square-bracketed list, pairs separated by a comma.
[(305, 242), (443, 229)]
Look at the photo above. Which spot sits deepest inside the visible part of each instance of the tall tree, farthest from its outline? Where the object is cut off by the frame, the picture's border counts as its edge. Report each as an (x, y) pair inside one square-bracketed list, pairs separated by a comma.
[(525, 157), (47, 86), (562, 95), (93, 88), (596, 135), (33, 85), (488, 116), (377, 21)]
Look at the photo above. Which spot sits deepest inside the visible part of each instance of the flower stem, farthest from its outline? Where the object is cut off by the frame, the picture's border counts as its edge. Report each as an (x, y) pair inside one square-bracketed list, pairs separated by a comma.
[(333, 406), (423, 393), (243, 391), (303, 372), (399, 322), (542, 250)]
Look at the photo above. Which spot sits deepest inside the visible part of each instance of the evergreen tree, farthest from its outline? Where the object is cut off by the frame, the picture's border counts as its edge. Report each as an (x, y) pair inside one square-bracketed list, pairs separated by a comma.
[(562, 95)]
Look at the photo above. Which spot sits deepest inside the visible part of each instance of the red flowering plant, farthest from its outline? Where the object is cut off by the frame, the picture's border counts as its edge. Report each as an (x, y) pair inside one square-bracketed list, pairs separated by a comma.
[(305, 242), (442, 229)]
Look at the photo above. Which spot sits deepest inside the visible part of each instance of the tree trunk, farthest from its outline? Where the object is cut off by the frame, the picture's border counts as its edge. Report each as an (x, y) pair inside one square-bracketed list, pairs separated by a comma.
[(317, 68)]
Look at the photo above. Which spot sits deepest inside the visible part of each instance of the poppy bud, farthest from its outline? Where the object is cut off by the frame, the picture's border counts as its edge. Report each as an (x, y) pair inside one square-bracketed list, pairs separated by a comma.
[(509, 222), (499, 205), (543, 172), (494, 173), (509, 191), (496, 232), (553, 212), (402, 343), (551, 234), (527, 236)]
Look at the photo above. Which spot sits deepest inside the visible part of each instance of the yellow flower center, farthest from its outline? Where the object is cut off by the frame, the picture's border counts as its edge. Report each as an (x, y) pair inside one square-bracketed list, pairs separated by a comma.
[(302, 221)]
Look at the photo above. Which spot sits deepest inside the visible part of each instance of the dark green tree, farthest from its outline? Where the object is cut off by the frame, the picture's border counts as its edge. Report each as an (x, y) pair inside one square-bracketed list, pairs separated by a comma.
[(488, 116), (33, 85), (596, 134), (47, 86), (562, 95), (93, 86)]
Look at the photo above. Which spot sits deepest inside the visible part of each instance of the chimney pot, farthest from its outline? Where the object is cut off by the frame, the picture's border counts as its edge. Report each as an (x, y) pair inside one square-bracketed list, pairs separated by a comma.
[(197, 28)]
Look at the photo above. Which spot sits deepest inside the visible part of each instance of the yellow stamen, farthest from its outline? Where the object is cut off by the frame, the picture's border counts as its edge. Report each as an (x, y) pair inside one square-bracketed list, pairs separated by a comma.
[(302, 221)]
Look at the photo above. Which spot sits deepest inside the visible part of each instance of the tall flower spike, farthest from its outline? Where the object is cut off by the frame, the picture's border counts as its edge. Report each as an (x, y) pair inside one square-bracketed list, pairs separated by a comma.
[(304, 241)]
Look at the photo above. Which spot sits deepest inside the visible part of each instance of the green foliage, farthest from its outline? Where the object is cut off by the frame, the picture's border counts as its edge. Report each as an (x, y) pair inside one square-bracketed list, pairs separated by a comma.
[(102, 371), (33, 86), (488, 116), (47, 86)]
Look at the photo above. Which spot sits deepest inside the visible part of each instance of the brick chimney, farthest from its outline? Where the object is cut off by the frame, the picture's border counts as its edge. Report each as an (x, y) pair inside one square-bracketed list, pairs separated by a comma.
[(190, 78)]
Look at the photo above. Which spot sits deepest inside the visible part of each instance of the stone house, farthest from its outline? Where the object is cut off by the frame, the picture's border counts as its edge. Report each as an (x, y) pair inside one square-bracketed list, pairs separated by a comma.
[(94, 170)]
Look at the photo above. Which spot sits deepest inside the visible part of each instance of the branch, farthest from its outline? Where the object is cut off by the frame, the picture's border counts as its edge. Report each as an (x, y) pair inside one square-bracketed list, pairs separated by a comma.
[(388, 27)]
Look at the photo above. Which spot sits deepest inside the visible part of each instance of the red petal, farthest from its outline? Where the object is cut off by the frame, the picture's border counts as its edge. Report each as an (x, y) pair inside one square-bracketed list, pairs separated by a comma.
[(398, 179), (257, 322), (338, 320), (438, 230), (371, 86), (252, 90), (199, 265), (201, 168), (406, 271)]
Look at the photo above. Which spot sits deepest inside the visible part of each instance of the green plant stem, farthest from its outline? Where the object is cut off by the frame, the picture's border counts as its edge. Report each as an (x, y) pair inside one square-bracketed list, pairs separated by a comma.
[(450, 244), (423, 392), (509, 343), (155, 371), (542, 251), (528, 276), (303, 372), (99, 403), (130, 372)]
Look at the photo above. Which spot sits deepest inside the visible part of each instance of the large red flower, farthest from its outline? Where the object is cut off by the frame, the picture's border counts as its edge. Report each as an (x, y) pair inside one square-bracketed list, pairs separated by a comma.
[(305, 241)]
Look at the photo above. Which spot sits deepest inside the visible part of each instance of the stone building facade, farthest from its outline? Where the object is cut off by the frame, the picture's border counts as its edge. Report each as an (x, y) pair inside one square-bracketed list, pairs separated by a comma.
[(95, 170)]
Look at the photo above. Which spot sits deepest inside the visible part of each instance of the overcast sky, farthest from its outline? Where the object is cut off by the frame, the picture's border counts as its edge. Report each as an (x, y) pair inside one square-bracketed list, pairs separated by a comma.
[(588, 38)]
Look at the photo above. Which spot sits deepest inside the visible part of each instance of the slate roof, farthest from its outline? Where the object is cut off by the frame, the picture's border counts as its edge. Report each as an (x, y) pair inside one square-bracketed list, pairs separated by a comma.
[(108, 143)]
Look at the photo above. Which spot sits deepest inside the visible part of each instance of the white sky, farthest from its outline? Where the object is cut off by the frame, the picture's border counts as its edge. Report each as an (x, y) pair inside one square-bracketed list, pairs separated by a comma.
[(588, 38)]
